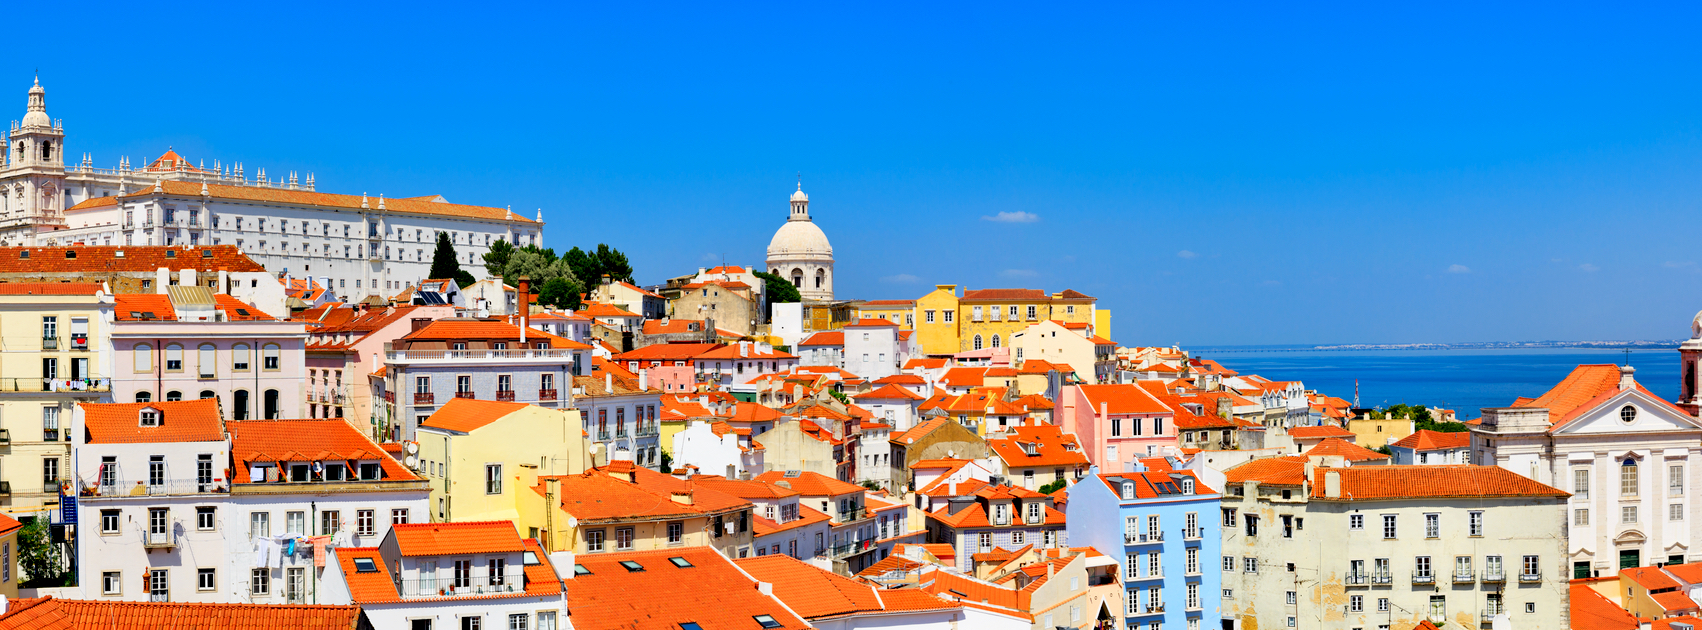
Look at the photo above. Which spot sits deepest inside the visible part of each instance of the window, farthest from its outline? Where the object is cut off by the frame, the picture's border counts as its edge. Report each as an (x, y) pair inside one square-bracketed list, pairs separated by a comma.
[(1675, 512), (1388, 525), (1432, 526), (1228, 563), (1474, 523), (1356, 521), (173, 358), (517, 621), (493, 478), (1532, 567), (399, 516), (1628, 414), (1581, 516), (206, 579), (109, 521), (1421, 567), (1229, 517), (143, 358), (594, 540), (295, 522), (497, 570), (1291, 598), (1355, 603), (623, 539), (1675, 481), (269, 357), (1628, 478), (546, 620), (676, 532), (1192, 565), (365, 522), (204, 520), (1250, 565), (330, 521), (159, 589), (1252, 521), (1628, 514), (947, 315), (111, 583), (239, 357), (259, 524), (206, 360)]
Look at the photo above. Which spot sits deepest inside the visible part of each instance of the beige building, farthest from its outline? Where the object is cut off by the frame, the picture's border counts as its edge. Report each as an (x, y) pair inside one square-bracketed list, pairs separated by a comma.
[(55, 352), (1310, 546), (731, 304), (478, 470), (1093, 358)]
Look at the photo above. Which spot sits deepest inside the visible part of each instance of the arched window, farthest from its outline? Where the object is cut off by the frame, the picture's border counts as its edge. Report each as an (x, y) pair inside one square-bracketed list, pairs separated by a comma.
[(798, 278), (995, 341), (144, 397), (821, 275), (173, 358), (173, 396), (206, 360), (1628, 478), (207, 393), (269, 357), (271, 403), (239, 357), (978, 342), (239, 404), (143, 357), (47, 150), (1689, 381)]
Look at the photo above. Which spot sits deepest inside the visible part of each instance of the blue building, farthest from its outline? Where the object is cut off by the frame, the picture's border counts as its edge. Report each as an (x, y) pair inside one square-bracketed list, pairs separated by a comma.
[(1163, 525)]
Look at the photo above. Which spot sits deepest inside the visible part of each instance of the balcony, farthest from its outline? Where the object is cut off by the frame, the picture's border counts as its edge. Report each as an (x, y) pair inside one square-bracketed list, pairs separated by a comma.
[(5, 488), (1465, 577), (5, 436), (602, 436), (49, 343), (1354, 579), (851, 549), (511, 581), (159, 540), (1139, 539), (1191, 534), (389, 397), (91, 385), (546, 394), (1494, 576), (52, 486), (457, 356), (119, 488), (620, 434), (854, 514), (648, 431), (1382, 578), (1528, 578), (464, 394), (1489, 614), (1423, 578), (425, 398), (79, 342), (505, 395)]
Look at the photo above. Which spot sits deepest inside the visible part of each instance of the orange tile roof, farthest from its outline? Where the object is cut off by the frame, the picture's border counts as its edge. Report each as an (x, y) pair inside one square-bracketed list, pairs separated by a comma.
[(49, 288), (52, 613), (832, 338), (371, 587), (952, 586), (731, 351), (1285, 471), (666, 352), (438, 539), (810, 484), (1325, 431), (322, 440), (712, 592), (901, 379), (888, 392), (99, 259), (180, 421), (1151, 484), (1004, 294), (1673, 601), (976, 516), (459, 329), (1052, 447), (1666, 623), (872, 322), (1583, 384), (129, 307), (234, 309), (924, 364), (1352, 452), (1651, 578), (1405, 482), (1122, 399), (1691, 572), (403, 205), (809, 591), (466, 414), (916, 432), (596, 495), (599, 309), (1427, 440)]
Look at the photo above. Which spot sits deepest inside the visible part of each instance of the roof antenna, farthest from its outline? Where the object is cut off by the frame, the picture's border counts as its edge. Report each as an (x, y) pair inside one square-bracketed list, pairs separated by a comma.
[(1627, 357)]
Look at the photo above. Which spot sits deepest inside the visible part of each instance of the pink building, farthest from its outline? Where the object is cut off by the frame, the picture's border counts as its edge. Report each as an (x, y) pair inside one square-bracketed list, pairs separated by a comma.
[(345, 347), (1117, 423), (190, 343)]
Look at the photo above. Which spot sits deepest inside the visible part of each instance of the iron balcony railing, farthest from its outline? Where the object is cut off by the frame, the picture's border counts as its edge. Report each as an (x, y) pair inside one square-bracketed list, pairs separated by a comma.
[(602, 436), (63, 385), (463, 394), (1423, 578), (511, 580), (1464, 577), (1355, 579), (1530, 577), (1191, 534), (1143, 538), (506, 395), (120, 487), (1382, 578), (1494, 576), (159, 540), (546, 394), (648, 430), (427, 398), (49, 343)]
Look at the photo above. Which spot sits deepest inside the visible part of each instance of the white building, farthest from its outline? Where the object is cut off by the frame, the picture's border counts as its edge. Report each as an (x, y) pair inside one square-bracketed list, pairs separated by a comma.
[(718, 449), (368, 246), (800, 252), (783, 525), (874, 349), (1629, 459)]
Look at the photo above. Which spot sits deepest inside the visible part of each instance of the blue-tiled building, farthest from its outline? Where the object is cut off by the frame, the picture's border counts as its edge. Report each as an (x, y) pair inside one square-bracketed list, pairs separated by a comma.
[(1162, 525)]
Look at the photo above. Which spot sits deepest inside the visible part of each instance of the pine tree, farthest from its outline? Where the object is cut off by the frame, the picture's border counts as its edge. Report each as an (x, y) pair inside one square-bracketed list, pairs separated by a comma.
[(445, 265)]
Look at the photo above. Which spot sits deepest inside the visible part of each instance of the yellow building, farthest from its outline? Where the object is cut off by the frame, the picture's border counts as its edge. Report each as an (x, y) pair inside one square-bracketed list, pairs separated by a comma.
[(622, 507), (1373, 432), (483, 456), (986, 318), (54, 353), (901, 312)]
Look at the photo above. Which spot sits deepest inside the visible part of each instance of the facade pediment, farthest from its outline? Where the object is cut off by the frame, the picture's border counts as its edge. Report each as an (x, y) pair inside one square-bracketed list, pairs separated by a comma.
[(1631, 537), (1630, 411)]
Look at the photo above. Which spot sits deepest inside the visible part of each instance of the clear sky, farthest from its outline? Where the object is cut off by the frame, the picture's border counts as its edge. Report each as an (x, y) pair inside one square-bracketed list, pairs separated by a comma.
[(1221, 174)]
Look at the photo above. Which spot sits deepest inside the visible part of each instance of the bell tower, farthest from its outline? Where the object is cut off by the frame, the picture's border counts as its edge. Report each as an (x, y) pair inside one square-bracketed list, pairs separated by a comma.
[(32, 178)]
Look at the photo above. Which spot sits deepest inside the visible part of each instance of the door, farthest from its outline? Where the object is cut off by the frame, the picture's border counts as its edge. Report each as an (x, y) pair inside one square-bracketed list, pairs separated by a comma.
[(1630, 558)]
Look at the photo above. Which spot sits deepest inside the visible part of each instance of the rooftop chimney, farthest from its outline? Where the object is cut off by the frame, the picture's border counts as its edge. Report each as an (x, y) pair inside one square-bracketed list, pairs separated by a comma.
[(419, 323), (1333, 484), (1625, 379), (643, 379), (525, 303)]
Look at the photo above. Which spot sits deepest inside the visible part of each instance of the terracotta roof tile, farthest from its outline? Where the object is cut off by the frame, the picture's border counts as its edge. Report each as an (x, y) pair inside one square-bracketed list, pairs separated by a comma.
[(1583, 384), (1325, 431), (96, 259), (1122, 399), (51, 613), (1051, 447), (1352, 452), (437, 539), (131, 307), (712, 593), (466, 414), (323, 440), (832, 338), (596, 495), (49, 288), (1399, 482), (180, 421), (811, 484), (1004, 294), (397, 205), (809, 591), (1427, 440), (1285, 471)]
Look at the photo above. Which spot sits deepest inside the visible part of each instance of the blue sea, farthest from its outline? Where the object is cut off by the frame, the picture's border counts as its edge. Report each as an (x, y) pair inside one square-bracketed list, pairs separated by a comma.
[(1462, 380)]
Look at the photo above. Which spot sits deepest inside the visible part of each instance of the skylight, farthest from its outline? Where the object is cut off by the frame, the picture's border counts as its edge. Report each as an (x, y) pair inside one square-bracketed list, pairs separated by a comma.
[(680, 562), (242, 311), (365, 565), (690, 625), (767, 621), (529, 558), (579, 569), (632, 566)]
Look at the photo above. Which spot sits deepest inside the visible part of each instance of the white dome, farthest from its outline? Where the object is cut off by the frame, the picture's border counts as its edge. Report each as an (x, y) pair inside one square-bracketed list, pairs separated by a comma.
[(37, 119), (798, 239), (800, 196)]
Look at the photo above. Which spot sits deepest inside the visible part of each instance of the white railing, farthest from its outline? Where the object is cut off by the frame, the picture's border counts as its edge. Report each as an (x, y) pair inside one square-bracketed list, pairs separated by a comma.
[(473, 355)]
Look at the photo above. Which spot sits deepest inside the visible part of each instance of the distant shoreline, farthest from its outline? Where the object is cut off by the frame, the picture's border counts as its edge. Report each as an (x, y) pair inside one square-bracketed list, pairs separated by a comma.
[(1482, 345)]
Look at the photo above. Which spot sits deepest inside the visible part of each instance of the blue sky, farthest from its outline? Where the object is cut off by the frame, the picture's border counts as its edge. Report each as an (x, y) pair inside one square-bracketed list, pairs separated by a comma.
[(1224, 174)]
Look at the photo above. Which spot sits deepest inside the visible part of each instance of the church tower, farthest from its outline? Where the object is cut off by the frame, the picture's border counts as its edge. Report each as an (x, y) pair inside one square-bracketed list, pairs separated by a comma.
[(800, 252), (34, 173)]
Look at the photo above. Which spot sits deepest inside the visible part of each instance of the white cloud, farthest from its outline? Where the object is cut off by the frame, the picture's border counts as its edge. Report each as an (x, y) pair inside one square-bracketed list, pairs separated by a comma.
[(1019, 273), (1187, 254), (902, 278), (1012, 217), (1588, 267), (1459, 269)]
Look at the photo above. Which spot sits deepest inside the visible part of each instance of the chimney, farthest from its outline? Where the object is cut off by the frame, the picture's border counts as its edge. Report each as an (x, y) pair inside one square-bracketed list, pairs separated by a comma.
[(162, 279), (609, 381), (1333, 484), (1625, 379), (419, 323), (643, 379), (525, 304), (682, 497)]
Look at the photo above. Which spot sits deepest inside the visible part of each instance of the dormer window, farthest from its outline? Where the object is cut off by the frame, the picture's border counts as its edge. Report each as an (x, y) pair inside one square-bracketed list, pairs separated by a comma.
[(150, 417), (1128, 490), (371, 471), (1187, 485), (335, 472)]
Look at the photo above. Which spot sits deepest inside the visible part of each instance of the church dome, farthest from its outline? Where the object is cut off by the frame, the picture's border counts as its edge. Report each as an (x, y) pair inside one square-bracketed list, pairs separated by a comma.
[(37, 116), (800, 196), (798, 238)]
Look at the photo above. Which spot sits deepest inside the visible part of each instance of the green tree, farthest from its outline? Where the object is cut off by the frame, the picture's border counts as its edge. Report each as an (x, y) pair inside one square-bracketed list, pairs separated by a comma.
[(584, 266), (612, 262), (779, 291), (496, 260), (38, 557), (1053, 486), (560, 292), (552, 279), (445, 264)]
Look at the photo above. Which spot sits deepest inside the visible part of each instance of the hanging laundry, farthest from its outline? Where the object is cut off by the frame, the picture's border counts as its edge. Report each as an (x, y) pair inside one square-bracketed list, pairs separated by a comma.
[(262, 552)]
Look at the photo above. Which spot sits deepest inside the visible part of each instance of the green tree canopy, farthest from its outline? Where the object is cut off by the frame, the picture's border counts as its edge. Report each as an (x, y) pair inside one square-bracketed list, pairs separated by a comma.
[(778, 290), (590, 266), (445, 264), (38, 557), (1421, 418), (496, 260), (552, 278)]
